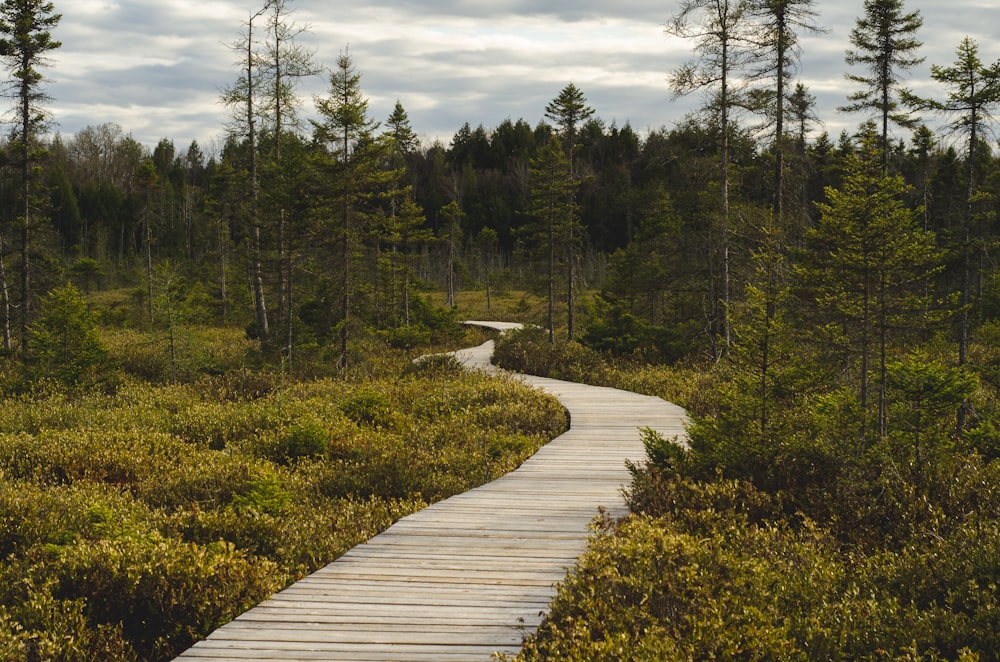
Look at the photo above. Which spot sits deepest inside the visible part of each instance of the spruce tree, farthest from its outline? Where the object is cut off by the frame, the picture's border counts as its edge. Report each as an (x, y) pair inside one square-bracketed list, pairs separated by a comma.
[(883, 44), (25, 41), (777, 34), (553, 208), (357, 172), (973, 93), (569, 110), (243, 98), (866, 263), (719, 30)]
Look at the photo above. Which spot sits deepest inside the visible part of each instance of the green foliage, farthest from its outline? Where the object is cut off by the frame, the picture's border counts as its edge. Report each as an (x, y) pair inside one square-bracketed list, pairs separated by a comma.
[(44, 627), (133, 523), (618, 332), (435, 365), (528, 350), (407, 337), (207, 351), (369, 408), (165, 593), (716, 575), (65, 346), (305, 439)]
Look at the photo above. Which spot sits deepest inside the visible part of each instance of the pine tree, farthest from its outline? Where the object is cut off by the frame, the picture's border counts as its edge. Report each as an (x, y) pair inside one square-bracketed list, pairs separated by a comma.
[(242, 97), (883, 44), (64, 343), (452, 233), (355, 165), (866, 264), (720, 32), (554, 211), (284, 64), (569, 110), (973, 94), (777, 38), (25, 40)]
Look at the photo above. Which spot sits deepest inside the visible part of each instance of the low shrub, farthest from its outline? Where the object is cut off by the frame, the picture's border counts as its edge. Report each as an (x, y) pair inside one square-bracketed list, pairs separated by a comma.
[(307, 438), (368, 407), (165, 594), (528, 350), (435, 365), (717, 586), (133, 523)]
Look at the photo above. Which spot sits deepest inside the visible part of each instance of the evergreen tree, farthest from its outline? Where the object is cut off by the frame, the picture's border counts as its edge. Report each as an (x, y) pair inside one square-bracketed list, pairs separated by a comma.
[(64, 341), (25, 41), (883, 44), (405, 217), (867, 262), (453, 216), (355, 164), (973, 92), (719, 29), (242, 97), (777, 39), (569, 111), (554, 211), (284, 64)]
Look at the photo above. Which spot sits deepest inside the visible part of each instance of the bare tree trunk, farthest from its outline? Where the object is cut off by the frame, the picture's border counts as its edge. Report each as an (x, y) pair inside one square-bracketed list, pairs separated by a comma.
[(451, 267), (570, 255), (288, 299), (222, 272), (26, 224), (260, 308), (4, 301), (963, 329), (148, 241), (724, 197), (552, 280)]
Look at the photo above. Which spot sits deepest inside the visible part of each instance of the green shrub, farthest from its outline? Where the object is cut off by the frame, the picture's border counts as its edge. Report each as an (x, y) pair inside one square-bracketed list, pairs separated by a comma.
[(435, 365), (64, 344), (166, 594), (33, 514), (200, 351), (528, 350), (407, 337), (43, 627), (119, 506), (369, 408), (305, 439), (720, 587)]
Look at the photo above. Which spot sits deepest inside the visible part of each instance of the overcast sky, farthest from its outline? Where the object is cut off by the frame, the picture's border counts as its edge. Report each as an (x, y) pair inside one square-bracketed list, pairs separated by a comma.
[(155, 67)]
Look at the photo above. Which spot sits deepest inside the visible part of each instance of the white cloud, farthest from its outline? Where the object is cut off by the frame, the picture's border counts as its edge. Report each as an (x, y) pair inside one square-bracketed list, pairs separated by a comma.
[(155, 67)]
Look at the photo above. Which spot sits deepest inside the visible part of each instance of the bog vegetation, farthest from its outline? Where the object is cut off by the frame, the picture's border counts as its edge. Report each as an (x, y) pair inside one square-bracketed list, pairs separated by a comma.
[(206, 386), (143, 505)]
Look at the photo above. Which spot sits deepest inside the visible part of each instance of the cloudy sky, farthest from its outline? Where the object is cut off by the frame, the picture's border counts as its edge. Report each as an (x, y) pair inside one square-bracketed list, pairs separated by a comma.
[(155, 67)]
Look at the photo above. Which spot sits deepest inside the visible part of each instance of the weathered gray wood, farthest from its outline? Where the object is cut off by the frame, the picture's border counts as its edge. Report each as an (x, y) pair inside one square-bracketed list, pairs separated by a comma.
[(468, 576)]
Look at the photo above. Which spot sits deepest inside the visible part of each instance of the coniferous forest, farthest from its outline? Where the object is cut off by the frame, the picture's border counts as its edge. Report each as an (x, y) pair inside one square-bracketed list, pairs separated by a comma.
[(206, 359)]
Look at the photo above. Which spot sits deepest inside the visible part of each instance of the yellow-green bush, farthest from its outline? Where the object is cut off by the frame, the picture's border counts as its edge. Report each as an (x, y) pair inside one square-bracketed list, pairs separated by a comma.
[(135, 522)]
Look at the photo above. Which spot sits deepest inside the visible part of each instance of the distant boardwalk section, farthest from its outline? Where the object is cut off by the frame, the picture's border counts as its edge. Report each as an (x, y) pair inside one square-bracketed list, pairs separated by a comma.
[(466, 577)]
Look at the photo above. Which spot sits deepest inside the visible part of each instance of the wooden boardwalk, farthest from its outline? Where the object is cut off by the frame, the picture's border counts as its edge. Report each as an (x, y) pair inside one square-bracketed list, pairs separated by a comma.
[(465, 577)]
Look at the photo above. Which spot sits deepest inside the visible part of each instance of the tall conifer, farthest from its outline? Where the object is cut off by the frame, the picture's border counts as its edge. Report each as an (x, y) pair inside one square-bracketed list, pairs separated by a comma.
[(25, 40)]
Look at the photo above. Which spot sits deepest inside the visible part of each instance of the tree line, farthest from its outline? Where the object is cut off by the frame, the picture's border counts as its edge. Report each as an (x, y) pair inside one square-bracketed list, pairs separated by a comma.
[(311, 231)]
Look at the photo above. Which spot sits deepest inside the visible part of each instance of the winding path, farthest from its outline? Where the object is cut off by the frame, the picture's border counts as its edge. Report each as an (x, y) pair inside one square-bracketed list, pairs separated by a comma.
[(467, 576)]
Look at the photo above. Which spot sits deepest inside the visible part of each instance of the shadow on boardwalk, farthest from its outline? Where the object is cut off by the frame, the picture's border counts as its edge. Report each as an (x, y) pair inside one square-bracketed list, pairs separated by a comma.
[(465, 577)]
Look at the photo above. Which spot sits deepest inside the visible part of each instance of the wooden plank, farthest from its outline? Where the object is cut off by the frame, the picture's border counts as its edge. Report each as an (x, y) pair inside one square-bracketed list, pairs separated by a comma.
[(468, 576)]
